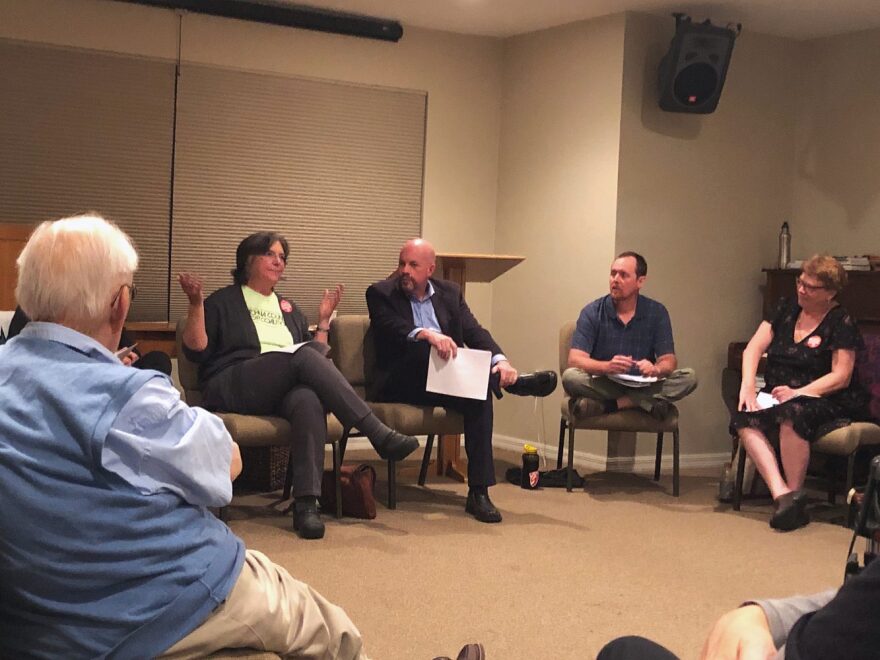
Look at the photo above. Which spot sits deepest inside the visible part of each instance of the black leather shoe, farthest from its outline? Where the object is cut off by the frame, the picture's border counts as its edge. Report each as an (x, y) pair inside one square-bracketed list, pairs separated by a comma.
[(791, 512), (480, 507), (306, 520), (540, 383), (396, 446)]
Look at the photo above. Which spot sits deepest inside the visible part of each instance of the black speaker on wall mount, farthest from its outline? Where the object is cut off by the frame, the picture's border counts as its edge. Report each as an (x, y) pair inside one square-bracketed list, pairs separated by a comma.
[(692, 73)]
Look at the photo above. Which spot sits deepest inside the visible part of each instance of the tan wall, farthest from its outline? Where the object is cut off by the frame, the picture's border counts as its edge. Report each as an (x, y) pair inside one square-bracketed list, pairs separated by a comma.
[(702, 197), (837, 178), (461, 74), (557, 193), (550, 145)]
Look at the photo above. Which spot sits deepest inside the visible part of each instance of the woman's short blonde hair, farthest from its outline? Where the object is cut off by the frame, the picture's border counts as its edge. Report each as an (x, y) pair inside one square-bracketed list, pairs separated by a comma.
[(71, 269), (827, 270)]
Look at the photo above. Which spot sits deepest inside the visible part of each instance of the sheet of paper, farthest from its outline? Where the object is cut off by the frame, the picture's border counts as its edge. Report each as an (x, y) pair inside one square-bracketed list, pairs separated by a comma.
[(766, 400), (466, 375), (630, 380), (323, 349)]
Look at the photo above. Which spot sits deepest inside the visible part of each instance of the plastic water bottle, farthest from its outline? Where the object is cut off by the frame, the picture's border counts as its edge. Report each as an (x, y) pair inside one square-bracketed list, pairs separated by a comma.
[(530, 472), (784, 246)]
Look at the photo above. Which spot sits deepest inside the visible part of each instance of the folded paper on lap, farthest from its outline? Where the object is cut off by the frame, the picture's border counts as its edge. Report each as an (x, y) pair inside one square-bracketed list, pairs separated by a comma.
[(631, 380)]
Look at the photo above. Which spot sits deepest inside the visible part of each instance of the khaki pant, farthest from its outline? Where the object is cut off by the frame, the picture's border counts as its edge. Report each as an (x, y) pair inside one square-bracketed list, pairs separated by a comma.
[(680, 383), (267, 610)]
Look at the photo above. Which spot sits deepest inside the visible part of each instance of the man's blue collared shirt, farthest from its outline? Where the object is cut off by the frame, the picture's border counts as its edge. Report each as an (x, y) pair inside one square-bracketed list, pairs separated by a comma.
[(647, 336), (157, 442), (425, 318)]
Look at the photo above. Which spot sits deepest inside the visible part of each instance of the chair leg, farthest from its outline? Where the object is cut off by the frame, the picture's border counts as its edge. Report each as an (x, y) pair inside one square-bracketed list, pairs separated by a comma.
[(426, 459), (675, 462), (659, 457), (850, 471), (392, 484), (568, 474), (738, 483), (832, 482), (338, 449), (288, 478), (343, 443), (561, 442)]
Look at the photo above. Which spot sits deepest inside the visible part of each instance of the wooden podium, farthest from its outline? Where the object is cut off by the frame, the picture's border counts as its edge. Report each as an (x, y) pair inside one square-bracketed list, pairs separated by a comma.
[(461, 269)]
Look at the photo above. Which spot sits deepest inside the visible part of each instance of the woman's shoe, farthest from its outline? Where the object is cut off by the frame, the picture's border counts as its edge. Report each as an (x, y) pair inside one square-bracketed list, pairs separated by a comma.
[(791, 512), (396, 446), (306, 520)]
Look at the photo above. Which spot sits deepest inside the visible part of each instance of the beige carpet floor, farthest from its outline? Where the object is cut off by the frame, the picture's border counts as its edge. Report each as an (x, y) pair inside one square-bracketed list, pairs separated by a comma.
[(563, 574)]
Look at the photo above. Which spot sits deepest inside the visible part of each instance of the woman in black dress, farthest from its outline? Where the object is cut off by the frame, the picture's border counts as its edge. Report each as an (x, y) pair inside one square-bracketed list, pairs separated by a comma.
[(811, 349)]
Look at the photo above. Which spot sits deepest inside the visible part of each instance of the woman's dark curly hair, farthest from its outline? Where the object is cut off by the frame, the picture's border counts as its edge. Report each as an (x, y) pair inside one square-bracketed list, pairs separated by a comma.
[(255, 245)]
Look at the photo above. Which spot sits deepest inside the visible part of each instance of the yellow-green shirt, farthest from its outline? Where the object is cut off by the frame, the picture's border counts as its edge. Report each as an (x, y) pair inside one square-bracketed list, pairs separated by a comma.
[(268, 320)]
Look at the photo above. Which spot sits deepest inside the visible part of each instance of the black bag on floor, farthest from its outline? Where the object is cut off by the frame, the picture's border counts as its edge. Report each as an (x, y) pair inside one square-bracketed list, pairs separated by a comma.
[(548, 478)]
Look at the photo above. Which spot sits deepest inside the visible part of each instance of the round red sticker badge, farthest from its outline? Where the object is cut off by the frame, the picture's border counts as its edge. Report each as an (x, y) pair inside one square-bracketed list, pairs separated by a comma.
[(814, 341), (286, 307)]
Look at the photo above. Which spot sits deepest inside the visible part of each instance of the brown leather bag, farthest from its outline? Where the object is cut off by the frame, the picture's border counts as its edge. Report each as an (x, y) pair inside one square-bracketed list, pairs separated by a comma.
[(357, 491)]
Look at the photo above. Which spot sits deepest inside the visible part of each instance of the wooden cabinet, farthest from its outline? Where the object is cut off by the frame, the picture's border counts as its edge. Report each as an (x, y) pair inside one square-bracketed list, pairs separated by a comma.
[(861, 297)]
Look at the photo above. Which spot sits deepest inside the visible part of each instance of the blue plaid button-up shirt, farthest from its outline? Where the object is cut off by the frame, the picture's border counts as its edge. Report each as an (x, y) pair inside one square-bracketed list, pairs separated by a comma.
[(601, 333)]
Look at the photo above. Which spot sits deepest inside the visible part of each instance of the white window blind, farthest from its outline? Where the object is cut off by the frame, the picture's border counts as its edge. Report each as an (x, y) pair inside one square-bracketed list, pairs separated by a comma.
[(336, 168), (84, 131)]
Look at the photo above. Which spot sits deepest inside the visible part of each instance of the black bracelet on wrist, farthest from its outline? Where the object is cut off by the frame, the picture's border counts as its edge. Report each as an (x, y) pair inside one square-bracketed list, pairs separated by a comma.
[(320, 329)]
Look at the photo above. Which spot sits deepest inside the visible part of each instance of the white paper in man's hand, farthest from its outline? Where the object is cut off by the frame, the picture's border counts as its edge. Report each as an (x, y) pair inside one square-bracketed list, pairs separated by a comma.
[(466, 375)]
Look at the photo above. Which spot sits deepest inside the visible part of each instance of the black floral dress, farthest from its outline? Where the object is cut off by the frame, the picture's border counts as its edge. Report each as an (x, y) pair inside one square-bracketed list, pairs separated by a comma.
[(798, 363)]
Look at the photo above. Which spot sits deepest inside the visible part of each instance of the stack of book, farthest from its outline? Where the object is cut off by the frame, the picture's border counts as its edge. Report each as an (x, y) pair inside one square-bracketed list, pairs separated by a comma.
[(854, 263)]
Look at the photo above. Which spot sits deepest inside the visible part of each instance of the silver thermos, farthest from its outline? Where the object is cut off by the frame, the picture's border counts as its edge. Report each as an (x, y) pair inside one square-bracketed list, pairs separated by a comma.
[(784, 246)]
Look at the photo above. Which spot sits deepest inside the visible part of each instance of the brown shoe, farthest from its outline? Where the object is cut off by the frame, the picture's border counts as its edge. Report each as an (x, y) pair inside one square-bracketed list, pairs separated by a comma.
[(472, 652), (587, 407), (468, 652)]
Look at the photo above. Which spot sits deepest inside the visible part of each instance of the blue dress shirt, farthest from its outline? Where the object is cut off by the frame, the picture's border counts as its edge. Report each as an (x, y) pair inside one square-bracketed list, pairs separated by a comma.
[(157, 442), (425, 318)]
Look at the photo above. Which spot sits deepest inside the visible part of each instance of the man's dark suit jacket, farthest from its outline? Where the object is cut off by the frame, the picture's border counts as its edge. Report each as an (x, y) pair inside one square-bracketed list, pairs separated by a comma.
[(401, 364)]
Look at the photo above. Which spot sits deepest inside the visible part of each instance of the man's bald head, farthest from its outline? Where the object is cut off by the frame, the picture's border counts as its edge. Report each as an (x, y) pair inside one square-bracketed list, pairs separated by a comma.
[(420, 247), (416, 266)]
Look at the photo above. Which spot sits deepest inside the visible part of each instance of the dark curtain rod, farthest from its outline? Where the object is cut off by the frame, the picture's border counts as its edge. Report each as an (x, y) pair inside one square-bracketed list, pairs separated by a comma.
[(288, 15)]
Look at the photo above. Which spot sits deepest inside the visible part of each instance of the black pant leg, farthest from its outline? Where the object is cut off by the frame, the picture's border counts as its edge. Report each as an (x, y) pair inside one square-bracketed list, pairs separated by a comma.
[(303, 409), (299, 387), (257, 386), (478, 423), (634, 648)]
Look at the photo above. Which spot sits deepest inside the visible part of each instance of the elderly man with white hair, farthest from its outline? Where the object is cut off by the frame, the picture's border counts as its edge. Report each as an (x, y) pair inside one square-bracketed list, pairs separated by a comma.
[(107, 546)]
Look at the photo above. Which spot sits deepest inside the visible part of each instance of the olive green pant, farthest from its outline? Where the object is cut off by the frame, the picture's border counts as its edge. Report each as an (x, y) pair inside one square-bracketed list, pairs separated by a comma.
[(680, 383)]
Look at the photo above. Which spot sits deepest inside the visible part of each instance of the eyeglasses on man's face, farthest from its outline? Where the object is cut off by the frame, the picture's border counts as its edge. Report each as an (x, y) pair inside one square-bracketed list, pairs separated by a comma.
[(132, 292), (272, 255), (809, 288)]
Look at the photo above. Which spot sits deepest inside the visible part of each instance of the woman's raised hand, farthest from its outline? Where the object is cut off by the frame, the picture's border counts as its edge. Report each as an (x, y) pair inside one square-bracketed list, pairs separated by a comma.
[(192, 287), (329, 302)]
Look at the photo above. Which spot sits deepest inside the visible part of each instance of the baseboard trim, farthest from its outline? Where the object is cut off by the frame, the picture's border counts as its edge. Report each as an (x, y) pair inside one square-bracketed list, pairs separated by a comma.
[(590, 461), (599, 462)]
